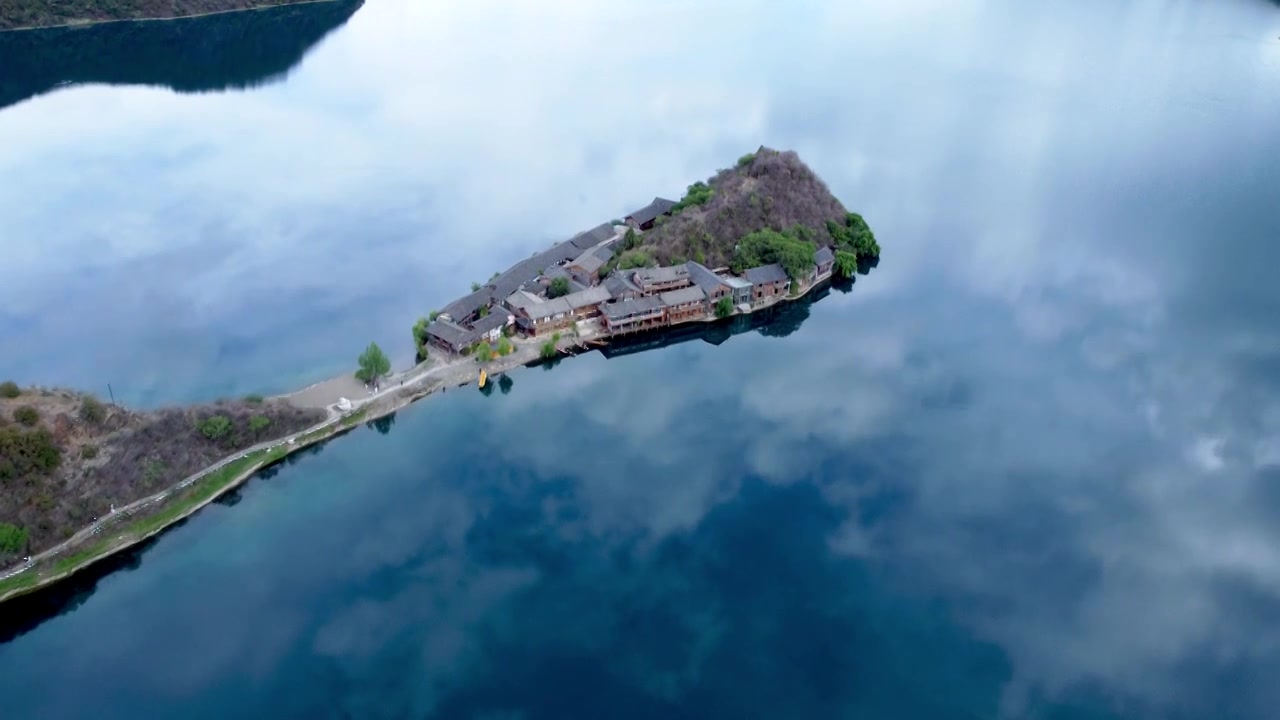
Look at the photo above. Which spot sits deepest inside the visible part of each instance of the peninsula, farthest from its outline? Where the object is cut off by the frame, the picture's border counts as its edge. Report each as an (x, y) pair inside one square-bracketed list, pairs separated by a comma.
[(83, 479), (23, 14)]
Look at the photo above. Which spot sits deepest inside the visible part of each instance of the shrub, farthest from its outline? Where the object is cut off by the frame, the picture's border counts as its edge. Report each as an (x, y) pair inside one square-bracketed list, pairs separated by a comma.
[(635, 259), (26, 415), (548, 350), (12, 538), (846, 264), (154, 472), (92, 410), (433, 315), (559, 288), (724, 307), (216, 427), (27, 453), (253, 399), (484, 352), (765, 247), (746, 160), (475, 287), (89, 452), (505, 347), (698, 193), (258, 423), (10, 389)]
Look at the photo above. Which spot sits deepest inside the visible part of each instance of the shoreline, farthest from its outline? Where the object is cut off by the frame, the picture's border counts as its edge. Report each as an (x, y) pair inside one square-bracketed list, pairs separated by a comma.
[(96, 23), (373, 408)]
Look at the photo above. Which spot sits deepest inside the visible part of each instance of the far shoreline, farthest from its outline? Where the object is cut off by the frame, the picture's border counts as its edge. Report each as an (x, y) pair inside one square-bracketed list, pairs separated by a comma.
[(97, 23)]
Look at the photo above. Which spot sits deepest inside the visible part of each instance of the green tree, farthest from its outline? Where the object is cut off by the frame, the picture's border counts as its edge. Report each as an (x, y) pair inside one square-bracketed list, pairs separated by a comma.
[(10, 389), (846, 264), (699, 257), (636, 258), (483, 311), (698, 193), (724, 307), (258, 423), (433, 315), (253, 399), (215, 427), (373, 364), (12, 538), (630, 239), (765, 247), (559, 287), (420, 332), (475, 287), (484, 352), (504, 346), (26, 415), (89, 452), (92, 410), (548, 350), (746, 160)]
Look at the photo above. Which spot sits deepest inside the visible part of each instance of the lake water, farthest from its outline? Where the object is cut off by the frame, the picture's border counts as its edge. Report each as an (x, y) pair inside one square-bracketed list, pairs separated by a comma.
[(1029, 467)]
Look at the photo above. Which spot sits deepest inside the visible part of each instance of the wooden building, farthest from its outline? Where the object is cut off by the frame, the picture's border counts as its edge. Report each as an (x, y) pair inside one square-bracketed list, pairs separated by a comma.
[(767, 282), (642, 313), (652, 281), (645, 217), (684, 304), (714, 286)]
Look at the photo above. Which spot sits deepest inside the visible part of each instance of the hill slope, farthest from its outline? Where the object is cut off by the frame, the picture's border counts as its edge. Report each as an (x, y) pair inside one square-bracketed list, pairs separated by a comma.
[(46, 13), (766, 190), (65, 457)]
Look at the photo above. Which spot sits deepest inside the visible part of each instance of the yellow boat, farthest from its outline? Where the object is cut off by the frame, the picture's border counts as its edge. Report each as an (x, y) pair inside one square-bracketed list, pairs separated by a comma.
[(483, 376)]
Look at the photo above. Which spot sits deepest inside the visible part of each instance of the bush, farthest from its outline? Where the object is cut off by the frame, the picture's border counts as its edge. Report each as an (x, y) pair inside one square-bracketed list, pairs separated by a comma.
[(10, 389), (846, 264), (258, 423), (216, 427), (724, 307), (698, 193), (505, 347), (484, 352), (27, 453), (92, 410), (26, 415), (548, 350), (253, 399), (765, 247), (559, 288), (89, 452), (12, 538), (746, 160), (637, 258)]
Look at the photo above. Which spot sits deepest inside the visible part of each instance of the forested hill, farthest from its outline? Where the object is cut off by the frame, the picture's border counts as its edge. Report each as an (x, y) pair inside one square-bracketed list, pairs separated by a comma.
[(769, 200), (47, 13)]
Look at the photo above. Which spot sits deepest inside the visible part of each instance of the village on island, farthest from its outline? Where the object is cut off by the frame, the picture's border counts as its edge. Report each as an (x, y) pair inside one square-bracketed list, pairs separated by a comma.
[(570, 287)]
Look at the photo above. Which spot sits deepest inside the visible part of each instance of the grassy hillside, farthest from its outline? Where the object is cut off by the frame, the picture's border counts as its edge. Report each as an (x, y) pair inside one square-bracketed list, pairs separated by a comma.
[(45, 13), (768, 207), (66, 457)]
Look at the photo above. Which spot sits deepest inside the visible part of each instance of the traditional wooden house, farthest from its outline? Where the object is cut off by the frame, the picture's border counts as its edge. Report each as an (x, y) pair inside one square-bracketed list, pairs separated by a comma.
[(620, 287), (824, 260), (714, 286), (586, 267), (645, 217), (684, 304), (490, 326), (450, 336), (537, 316), (467, 308), (642, 313), (652, 281), (594, 237), (767, 282), (586, 304)]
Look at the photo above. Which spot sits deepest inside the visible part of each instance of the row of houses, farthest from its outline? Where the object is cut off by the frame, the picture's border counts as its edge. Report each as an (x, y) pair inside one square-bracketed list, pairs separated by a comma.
[(627, 301)]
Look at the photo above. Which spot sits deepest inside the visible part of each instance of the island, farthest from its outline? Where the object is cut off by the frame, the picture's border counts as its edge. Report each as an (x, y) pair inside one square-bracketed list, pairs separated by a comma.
[(84, 478), (24, 14)]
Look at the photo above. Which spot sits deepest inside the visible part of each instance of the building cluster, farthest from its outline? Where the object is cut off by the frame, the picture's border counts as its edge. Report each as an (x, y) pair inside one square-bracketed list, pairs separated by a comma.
[(627, 301)]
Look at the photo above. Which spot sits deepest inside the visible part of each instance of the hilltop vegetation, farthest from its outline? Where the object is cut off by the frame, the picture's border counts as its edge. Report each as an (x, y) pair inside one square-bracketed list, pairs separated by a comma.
[(65, 457), (768, 208), (46, 13)]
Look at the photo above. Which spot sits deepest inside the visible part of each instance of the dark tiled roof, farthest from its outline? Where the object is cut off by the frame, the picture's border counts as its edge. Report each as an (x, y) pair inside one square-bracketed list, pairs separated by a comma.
[(766, 274), (588, 297), (659, 206), (495, 319), (593, 237), (683, 296), (465, 306), (624, 308), (527, 271), (548, 308), (704, 278), (618, 285), (824, 255), (451, 334)]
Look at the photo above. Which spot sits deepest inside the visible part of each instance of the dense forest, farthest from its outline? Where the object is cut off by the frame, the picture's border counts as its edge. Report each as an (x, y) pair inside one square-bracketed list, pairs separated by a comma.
[(66, 458), (768, 208), (46, 13)]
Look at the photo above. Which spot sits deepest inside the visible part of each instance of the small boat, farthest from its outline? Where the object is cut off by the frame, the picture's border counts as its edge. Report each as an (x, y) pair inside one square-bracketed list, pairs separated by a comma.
[(483, 377)]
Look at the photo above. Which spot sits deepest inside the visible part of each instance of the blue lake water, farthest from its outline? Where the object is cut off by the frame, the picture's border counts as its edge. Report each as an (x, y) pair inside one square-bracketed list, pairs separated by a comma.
[(1029, 467)]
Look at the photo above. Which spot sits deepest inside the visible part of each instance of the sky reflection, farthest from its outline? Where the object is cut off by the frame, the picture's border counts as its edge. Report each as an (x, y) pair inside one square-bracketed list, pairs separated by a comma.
[(1032, 457)]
